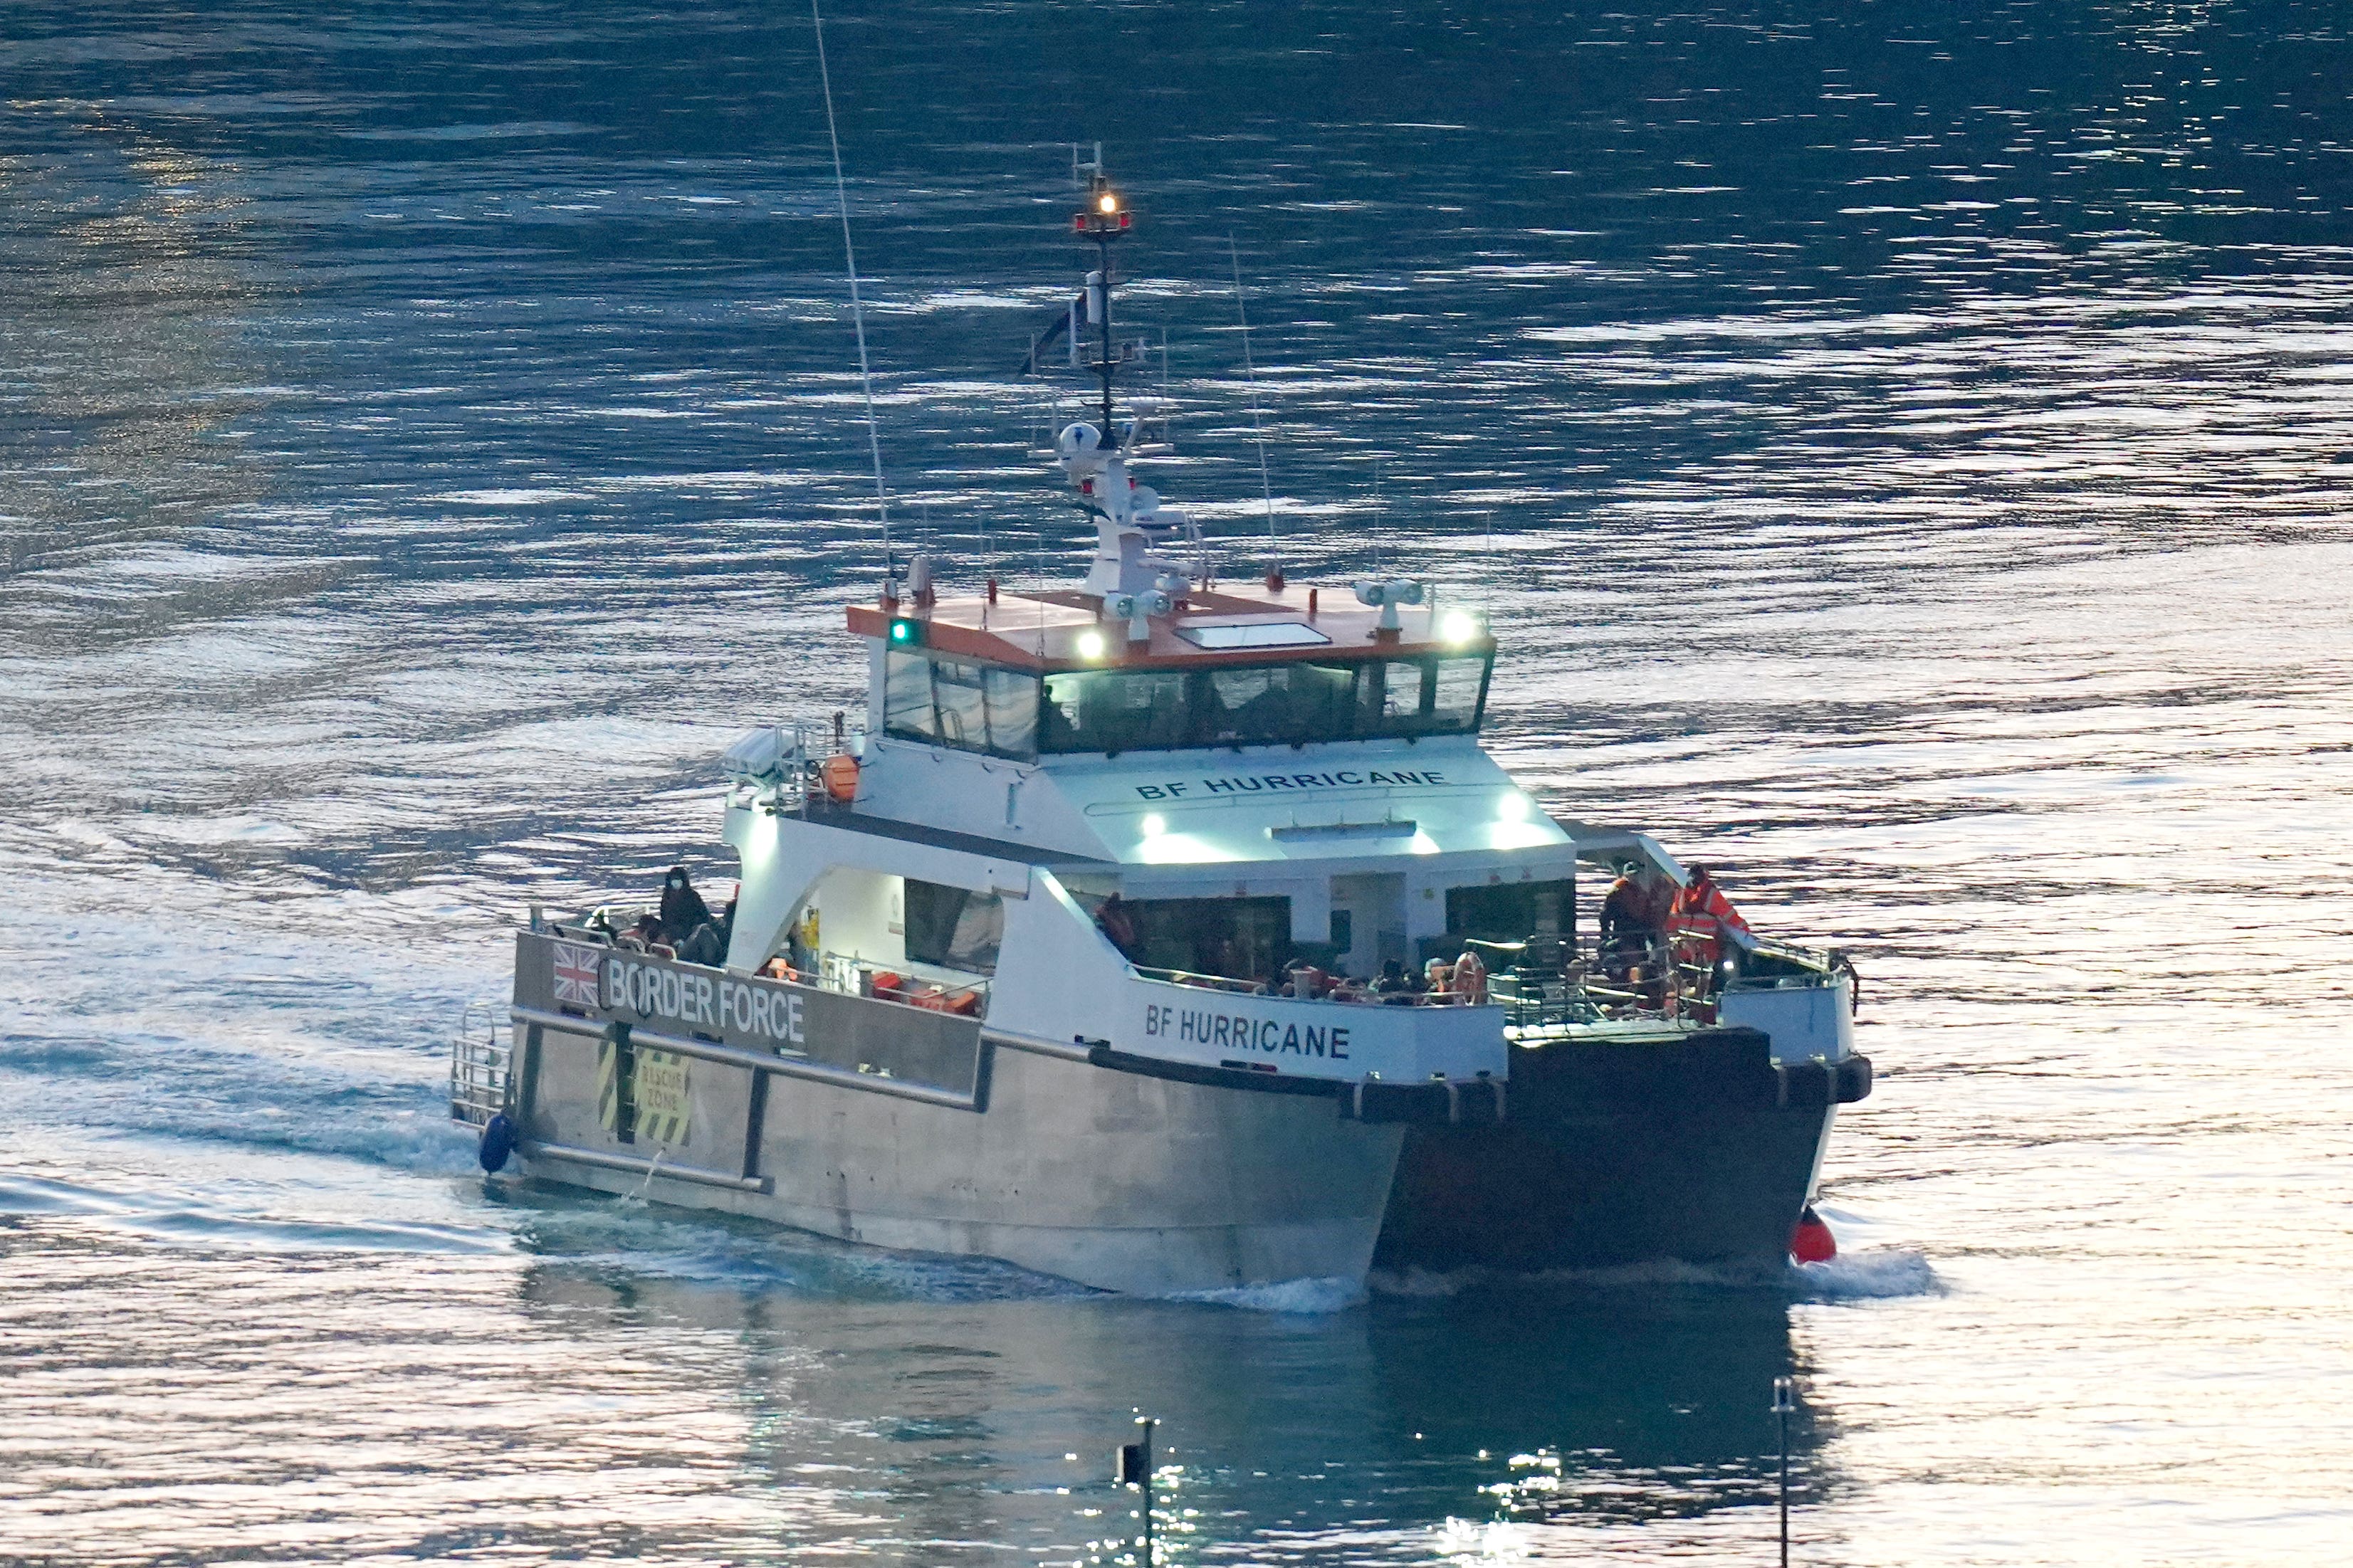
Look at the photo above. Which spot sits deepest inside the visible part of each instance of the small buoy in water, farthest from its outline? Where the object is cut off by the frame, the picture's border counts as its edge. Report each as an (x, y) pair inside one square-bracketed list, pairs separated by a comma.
[(498, 1142), (1811, 1241)]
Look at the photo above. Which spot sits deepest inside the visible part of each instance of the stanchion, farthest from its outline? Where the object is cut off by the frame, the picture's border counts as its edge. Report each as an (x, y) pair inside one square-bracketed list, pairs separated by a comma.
[(1785, 1403)]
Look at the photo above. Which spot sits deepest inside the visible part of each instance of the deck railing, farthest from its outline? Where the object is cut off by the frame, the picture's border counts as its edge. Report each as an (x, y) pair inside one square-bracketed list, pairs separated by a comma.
[(1657, 983)]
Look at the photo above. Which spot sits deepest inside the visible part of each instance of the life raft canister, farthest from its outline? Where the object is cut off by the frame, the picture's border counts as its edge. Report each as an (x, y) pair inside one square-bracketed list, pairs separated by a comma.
[(1811, 1240), (840, 773)]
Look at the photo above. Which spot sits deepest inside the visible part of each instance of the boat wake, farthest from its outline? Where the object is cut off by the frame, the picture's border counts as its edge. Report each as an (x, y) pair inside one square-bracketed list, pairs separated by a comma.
[(177, 1219), (1305, 1297), (1872, 1274)]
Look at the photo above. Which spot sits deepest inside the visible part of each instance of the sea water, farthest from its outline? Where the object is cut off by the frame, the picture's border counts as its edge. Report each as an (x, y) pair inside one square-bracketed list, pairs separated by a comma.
[(1904, 449)]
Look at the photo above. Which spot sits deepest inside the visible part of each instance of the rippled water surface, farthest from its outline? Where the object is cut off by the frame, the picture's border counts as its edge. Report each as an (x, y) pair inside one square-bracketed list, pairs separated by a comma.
[(1905, 448)]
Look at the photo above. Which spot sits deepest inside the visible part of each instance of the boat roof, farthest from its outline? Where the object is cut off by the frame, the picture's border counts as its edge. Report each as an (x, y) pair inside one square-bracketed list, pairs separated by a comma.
[(1299, 622)]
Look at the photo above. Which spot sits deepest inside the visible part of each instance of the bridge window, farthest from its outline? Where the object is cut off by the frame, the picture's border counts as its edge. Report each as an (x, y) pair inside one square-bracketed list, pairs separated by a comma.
[(956, 702), (1292, 703), (976, 707)]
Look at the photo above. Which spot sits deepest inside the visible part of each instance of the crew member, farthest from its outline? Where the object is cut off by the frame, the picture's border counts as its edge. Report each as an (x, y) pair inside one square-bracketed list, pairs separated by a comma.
[(1698, 925), (1633, 918)]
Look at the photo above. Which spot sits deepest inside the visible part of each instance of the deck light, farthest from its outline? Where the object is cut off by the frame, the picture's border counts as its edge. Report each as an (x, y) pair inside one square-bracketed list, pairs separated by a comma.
[(1457, 627), (1154, 825), (1513, 807), (1091, 644)]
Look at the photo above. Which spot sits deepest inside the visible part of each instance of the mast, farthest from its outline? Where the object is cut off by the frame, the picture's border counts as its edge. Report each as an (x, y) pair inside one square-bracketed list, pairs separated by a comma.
[(1103, 221)]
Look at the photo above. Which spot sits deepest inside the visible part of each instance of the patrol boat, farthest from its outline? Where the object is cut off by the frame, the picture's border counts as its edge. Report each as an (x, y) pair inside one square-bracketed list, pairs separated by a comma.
[(1168, 937)]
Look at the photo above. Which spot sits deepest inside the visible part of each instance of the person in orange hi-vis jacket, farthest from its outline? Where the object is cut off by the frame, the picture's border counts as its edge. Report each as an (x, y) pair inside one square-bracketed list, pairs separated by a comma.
[(1697, 925)]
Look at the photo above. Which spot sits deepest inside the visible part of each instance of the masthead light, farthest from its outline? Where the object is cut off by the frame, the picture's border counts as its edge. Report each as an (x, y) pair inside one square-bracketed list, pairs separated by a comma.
[(1108, 203)]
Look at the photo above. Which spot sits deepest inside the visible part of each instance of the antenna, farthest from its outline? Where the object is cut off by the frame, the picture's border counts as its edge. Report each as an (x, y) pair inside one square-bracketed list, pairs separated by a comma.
[(1250, 369), (857, 305)]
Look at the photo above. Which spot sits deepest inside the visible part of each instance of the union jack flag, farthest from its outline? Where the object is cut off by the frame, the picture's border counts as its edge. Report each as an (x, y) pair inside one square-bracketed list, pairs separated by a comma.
[(575, 974)]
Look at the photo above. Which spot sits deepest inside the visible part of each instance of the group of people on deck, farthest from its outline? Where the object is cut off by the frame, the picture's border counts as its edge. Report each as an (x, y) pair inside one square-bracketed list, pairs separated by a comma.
[(1661, 942), (1461, 981), (1658, 935)]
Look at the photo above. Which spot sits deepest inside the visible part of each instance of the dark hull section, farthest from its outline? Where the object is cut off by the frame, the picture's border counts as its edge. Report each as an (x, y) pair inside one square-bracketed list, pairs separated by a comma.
[(1615, 1153)]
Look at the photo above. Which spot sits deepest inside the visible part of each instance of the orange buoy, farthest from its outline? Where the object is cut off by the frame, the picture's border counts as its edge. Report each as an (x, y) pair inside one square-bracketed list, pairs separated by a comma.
[(1811, 1240), (842, 777)]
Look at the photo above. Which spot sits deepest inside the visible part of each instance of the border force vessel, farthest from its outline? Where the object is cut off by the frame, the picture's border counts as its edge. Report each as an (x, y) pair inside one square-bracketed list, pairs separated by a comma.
[(1171, 938)]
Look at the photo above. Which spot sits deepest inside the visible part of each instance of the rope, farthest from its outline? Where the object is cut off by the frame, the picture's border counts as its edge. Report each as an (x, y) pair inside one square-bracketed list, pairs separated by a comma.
[(857, 305)]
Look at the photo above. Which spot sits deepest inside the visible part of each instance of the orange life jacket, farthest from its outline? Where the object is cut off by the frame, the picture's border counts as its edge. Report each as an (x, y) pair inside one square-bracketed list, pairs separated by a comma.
[(1697, 924)]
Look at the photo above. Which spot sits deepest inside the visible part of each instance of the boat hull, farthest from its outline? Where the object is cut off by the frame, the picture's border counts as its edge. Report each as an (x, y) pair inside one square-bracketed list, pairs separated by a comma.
[(1615, 1154), (1114, 1179)]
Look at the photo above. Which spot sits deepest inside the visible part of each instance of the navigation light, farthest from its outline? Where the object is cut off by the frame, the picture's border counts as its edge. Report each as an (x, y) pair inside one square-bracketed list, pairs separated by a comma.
[(906, 633)]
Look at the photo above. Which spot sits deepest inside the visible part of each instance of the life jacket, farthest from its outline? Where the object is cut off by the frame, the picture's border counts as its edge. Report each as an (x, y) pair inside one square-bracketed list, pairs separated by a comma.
[(1698, 922)]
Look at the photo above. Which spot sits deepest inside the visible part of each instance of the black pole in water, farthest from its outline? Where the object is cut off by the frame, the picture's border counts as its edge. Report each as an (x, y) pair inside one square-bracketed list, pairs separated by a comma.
[(1132, 1466), (1784, 1404)]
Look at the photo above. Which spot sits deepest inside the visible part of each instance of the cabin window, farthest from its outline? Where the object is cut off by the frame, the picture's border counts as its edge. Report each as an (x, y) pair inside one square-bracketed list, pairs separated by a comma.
[(976, 707), (1512, 912), (956, 702), (1236, 939), (907, 696), (1296, 703), (1269, 704), (953, 928)]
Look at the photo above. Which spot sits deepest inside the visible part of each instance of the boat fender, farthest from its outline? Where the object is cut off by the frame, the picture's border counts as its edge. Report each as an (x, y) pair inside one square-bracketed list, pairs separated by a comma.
[(1805, 1086), (498, 1143), (1853, 1080), (1811, 1240)]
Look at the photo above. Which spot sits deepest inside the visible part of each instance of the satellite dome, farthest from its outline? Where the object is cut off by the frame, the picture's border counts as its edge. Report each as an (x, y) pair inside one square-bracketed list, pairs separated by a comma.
[(1077, 439)]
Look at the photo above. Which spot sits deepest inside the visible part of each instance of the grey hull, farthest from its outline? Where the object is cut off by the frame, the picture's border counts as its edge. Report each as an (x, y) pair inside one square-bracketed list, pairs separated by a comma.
[(1615, 1155), (1109, 1178)]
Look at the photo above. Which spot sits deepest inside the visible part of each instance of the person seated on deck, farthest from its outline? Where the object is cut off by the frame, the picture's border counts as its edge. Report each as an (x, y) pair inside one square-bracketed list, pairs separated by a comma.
[(682, 907), (1437, 979), (1396, 986), (1302, 980), (707, 944), (1469, 981)]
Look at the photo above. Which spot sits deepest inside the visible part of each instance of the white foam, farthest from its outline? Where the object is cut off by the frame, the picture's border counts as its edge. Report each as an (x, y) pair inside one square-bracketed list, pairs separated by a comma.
[(1872, 1273), (1331, 1294)]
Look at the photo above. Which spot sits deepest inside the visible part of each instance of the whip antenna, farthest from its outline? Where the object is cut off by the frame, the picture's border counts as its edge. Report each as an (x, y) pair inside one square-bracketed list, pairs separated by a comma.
[(857, 305), (1250, 370)]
